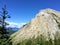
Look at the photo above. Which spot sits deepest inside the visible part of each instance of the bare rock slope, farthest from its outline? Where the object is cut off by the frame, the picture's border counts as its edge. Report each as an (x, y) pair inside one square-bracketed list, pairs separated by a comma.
[(46, 21)]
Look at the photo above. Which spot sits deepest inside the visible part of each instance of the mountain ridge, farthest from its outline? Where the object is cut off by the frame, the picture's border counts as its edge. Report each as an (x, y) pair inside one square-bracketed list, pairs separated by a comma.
[(46, 21)]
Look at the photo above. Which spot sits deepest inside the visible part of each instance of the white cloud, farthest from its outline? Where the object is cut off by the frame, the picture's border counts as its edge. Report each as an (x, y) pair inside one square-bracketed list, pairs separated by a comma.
[(13, 24)]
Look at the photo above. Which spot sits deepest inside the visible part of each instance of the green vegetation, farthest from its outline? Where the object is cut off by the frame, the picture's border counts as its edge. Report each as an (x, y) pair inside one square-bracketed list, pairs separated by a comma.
[(4, 35), (40, 40)]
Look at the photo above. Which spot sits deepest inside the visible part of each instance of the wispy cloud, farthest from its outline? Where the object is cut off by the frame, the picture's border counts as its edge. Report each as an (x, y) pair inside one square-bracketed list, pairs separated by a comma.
[(14, 24)]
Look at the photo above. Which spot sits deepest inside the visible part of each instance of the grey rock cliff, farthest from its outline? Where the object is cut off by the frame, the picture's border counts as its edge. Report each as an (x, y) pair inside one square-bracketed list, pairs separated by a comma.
[(46, 21)]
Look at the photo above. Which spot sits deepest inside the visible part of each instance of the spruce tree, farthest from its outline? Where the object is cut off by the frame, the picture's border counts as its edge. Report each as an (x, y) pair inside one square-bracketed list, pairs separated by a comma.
[(3, 31)]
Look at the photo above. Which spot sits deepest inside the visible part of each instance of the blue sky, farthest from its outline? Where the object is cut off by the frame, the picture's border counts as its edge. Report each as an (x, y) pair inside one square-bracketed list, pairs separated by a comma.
[(22, 11)]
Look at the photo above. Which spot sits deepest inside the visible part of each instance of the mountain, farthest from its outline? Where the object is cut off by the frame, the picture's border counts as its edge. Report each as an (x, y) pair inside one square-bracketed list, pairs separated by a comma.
[(12, 30), (15, 28), (46, 22)]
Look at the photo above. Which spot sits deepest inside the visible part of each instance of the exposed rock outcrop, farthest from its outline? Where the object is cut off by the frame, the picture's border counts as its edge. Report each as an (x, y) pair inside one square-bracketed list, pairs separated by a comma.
[(46, 21)]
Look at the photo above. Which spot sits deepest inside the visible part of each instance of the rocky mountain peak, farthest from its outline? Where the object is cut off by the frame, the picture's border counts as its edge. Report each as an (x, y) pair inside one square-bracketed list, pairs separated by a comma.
[(46, 21)]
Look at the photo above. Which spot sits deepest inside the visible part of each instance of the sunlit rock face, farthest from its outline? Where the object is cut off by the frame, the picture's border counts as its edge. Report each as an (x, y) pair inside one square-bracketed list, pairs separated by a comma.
[(46, 21)]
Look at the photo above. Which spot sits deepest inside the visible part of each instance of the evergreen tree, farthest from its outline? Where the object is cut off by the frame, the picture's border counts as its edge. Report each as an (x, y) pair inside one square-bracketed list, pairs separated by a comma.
[(3, 31)]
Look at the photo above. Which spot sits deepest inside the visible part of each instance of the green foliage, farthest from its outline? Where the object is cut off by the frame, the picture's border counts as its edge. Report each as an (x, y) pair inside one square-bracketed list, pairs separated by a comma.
[(33, 41), (40, 41), (4, 37)]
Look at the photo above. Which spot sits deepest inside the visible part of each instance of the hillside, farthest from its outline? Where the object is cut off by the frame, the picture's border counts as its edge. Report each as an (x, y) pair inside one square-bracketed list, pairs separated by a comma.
[(46, 23)]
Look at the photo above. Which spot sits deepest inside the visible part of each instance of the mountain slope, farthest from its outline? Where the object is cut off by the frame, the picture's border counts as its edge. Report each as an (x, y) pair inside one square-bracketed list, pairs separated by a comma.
[(46, 21)]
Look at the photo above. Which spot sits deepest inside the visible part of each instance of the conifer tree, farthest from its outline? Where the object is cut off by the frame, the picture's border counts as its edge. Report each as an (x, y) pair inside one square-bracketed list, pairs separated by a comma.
[(3, 31)]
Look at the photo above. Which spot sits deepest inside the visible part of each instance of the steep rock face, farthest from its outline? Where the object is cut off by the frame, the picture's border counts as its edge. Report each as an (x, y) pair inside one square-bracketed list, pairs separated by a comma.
[(46, 21)]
